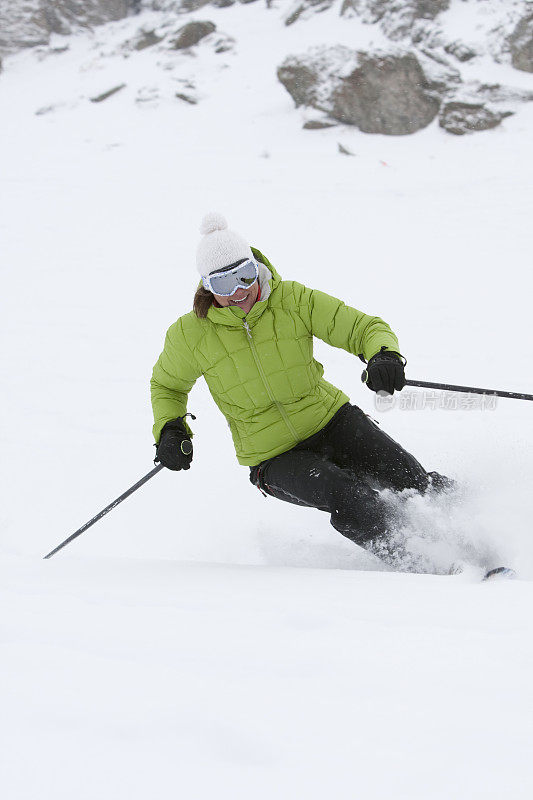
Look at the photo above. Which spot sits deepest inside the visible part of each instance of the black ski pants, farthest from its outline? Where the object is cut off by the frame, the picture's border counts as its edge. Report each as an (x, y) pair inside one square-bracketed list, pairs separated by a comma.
[(340, 470)]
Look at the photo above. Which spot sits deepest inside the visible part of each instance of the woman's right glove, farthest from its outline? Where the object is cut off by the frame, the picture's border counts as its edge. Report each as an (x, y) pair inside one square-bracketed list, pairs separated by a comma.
[(174, 450)]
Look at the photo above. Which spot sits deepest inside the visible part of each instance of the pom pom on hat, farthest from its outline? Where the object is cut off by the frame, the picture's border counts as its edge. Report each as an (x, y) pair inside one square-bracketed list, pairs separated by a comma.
[(213, 222), (219, 246)]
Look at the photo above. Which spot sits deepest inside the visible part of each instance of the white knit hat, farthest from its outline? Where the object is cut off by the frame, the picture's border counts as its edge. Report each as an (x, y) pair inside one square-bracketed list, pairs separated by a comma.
[(219, 247)]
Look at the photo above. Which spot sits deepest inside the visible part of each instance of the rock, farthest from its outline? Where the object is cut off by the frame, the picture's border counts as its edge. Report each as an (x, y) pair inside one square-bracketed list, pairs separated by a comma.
[(303, 6), (147, 95), (22, 24), (386, 94), (461, 51), (317, 125), (378, 92), (429, 9), (191, 34), (27, 23), (99, 98), (222, 3), (460, 118), (397, 16), (192, 5), (44, 110), (521, 44), (224, 44), (186, 98), (301, 76), (344, 150), (61, 15), (370, 11), (143, 39), (495, 93), (441, 78)]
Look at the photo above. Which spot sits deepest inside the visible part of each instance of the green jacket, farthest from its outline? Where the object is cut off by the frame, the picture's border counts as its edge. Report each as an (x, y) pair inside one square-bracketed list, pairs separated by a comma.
[(259, 366)]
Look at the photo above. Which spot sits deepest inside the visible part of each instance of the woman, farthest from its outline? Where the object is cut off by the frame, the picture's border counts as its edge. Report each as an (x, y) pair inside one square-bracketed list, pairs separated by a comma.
[(251, 336)]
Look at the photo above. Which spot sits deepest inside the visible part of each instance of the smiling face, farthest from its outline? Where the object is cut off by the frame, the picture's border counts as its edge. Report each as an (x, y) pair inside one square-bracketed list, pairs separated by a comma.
[(243, 298)]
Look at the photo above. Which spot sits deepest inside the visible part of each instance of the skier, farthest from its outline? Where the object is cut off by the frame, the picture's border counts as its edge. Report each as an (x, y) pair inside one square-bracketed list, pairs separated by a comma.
[(250, 334)]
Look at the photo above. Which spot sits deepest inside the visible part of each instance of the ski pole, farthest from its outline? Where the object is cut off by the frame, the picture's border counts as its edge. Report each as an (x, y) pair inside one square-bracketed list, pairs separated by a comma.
[(106, 510), (449, 387)]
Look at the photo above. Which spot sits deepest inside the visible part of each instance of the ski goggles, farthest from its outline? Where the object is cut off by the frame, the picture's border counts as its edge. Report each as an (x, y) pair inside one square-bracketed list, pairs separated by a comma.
[(227, 281)]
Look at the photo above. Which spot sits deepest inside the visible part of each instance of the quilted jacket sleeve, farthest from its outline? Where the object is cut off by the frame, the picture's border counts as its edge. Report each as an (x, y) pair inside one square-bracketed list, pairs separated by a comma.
[(173, 377), (343, 326)]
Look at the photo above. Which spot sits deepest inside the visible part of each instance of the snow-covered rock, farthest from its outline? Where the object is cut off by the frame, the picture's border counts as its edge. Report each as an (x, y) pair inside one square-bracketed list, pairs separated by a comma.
[(26, 23), (143, 39), (397, 17), (303, 9), (378, 92), (461, 118), (192, 33), (521, 44)]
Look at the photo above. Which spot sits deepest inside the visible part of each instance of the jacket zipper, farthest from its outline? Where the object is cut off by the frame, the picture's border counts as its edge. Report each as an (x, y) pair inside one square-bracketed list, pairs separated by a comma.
[(278, 405)]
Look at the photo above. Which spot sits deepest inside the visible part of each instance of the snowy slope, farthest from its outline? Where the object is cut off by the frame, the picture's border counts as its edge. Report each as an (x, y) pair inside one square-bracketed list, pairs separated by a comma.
[(134, 679), (143, 655)]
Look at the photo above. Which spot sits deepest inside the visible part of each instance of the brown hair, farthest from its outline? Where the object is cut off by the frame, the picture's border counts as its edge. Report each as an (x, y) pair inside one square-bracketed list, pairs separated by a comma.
[(203, 300)]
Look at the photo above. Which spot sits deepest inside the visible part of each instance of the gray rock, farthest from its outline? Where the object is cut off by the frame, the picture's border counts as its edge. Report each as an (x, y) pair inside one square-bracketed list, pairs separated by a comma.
[(22, 24), (187, 98), (62, 15), (521, 44), (441, 78), (301, 77), (44, 110), (344, 150), (378, 92), (429, 9), (461, 118), (143, 40), (147, 95), (191, 34), (192, 5), (385, 94), (495, 93), (306, 7), (397, 16), (461, 51), (317, 125), (110, 92), (370, 11), (27, 23), (224, 44)]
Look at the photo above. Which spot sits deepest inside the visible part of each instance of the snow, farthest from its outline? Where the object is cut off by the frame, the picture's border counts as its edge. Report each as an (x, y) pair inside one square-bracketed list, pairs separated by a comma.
[(200, 639), (133, 678)]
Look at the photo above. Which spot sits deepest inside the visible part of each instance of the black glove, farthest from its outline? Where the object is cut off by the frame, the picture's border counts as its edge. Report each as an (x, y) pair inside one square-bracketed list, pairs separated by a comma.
[(174, 450), (385, 372)]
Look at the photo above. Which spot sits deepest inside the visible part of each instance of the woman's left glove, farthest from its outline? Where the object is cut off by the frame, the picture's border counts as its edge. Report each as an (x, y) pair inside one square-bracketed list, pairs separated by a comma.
[(174, 450), (385, 372)]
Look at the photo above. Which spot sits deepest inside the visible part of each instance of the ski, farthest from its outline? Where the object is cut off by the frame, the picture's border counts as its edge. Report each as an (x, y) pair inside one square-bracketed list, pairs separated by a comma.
[(481, 573), (500, 573)]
